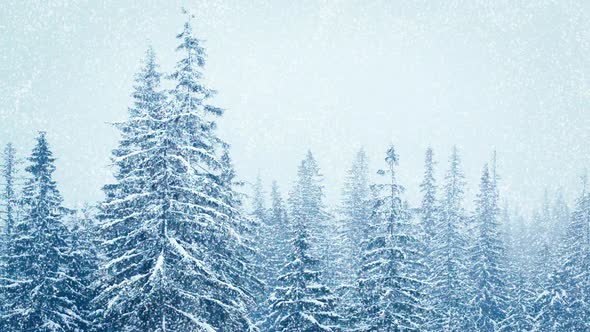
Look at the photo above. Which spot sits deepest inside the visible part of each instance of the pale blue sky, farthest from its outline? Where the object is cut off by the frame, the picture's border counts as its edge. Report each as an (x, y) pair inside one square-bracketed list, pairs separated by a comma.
[(328, 76)]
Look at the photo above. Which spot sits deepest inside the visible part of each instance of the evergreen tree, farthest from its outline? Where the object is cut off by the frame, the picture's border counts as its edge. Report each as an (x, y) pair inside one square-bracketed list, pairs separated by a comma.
[(302, 302), (169, 222), (391, 296), (429, 211), (550, 305), (43, 289), (356, 210), (84, 254), (238, 257), (520, 315), (488, 271), (9, 216), (274, 247), (576, 267), (279, 228), (356, 214), (265, 238), (129, 285), (448, 256), (306, 202), (549, 270)]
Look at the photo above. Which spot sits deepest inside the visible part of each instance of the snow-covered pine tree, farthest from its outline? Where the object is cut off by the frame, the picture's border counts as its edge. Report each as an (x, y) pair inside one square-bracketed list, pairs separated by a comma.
[(547, 270), (274, 246), (170, 240), (391, 296), (550, 305), (301, 301), (448, 256), (221, 237), (84, 255), (520, 311), (356, 211), (131, 286), (306, 203), (44, 292), (488, 270), (278, 223), (238, 257), (429, 215), (576, 266), (9, 215), (264, 240), (528, 299)]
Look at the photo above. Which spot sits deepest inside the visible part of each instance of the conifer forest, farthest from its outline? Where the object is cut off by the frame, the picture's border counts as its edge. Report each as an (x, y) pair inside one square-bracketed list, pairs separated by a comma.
[(401, 237)]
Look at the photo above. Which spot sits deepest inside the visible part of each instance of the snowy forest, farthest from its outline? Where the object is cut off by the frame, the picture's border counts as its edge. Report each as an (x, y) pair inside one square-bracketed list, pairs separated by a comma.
[(178, 244)]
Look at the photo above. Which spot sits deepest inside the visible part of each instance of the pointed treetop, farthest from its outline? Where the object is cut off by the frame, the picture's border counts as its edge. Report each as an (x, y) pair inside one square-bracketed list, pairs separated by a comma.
[(485, 174), (41, 156), (430, 155), (309, 164), (150, 53), (42, 137), (190, 43), (392, 157), (429, 162), (150, 65), (428, 186)]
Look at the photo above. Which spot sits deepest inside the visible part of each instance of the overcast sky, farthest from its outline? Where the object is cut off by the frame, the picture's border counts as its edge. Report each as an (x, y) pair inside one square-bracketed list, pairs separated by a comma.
[(329, 76)]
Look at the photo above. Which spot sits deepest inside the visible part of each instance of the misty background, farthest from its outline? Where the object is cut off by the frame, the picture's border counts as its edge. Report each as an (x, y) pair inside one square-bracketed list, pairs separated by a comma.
[(330, 76)]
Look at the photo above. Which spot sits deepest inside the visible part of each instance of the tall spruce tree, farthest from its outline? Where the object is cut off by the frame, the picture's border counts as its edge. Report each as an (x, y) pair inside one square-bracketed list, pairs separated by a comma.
[(429, 215), (302, 302), (264, 239), (170, 239), (575, 269), (9, 203), (520, 314), (488, 270), (356, 210), (429, 218), (390, 293), (237, 258), (448, 256), (306, 201), (84, 244), (43, 288), (273, 241), (280, 233)]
